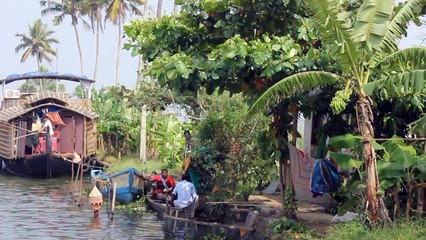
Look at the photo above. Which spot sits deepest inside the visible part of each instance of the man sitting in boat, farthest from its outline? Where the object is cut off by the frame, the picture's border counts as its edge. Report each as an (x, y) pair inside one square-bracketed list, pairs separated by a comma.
[(184, 193), (47, 126), (165, 185)]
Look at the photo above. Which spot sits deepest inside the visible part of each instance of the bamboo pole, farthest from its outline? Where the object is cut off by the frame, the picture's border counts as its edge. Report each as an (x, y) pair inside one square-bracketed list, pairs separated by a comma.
[(142, 150), (113, 201)]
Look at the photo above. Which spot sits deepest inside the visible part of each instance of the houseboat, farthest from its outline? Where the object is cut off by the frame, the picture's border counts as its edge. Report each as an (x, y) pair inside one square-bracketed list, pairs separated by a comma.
[(24, 148)]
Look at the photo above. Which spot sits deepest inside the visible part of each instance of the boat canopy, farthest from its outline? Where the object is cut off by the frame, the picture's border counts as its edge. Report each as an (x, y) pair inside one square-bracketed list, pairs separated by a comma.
[(46, 75)]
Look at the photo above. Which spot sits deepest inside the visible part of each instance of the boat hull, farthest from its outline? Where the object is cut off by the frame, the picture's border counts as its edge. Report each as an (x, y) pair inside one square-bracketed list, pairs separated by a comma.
[(130, 184), (44, 165)]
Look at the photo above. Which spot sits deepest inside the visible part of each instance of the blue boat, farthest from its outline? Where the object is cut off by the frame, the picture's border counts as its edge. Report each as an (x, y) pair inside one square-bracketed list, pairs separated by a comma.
[(130, 184)]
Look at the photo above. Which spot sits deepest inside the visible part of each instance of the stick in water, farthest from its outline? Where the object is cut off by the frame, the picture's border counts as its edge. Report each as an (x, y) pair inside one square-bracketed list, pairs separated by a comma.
[(113, 200)]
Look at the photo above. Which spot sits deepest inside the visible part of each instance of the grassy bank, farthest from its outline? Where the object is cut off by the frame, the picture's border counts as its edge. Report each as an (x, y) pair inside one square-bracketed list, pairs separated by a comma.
[(398, 231), (132, 160), (402, 230)]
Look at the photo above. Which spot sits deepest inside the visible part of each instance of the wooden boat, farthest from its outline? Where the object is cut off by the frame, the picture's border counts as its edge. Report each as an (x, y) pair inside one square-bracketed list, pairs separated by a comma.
[(155, 205), (74, 126), (130, 184)]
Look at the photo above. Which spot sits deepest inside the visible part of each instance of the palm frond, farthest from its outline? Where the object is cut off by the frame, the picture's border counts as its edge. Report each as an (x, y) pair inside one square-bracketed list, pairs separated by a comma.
[(399, 85), (372, 22), (325, 14), (405, 59), (398, 26), (115, 12), (26, 54), (292, 85)]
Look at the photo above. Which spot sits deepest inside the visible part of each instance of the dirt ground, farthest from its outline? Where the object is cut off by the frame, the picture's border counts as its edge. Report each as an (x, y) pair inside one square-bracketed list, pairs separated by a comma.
[(312, 215)]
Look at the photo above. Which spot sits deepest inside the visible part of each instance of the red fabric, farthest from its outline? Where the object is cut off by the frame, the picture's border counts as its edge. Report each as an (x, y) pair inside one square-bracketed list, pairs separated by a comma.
[(160, 188), (55, 118)]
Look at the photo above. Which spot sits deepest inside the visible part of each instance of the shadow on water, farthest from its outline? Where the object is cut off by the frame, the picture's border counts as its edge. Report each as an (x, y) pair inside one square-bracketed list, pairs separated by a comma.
[(41, 209)]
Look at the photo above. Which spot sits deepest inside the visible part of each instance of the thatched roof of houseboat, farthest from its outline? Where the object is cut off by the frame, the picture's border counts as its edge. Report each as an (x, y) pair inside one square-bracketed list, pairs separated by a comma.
[(8, 114)]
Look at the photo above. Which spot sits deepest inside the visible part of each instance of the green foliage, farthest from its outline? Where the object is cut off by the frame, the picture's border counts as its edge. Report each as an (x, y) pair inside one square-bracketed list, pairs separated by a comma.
[(291, 229), (399, 165), (236, 147), (397, 231)]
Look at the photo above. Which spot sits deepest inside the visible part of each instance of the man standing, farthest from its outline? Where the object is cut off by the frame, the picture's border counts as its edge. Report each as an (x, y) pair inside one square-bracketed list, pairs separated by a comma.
[(165, 184), (47, 126), (184, 193), (35, 128)]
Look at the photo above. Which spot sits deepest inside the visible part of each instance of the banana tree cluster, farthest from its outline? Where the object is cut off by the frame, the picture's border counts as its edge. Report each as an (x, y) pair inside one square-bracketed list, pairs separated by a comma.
[(363, 50)]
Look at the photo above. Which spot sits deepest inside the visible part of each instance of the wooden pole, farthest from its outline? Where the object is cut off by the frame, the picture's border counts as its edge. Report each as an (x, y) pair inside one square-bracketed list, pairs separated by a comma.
[(113, 200), (142, 148)]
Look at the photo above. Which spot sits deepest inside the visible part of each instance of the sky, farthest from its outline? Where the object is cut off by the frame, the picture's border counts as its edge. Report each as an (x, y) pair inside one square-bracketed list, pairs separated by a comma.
[(18, 14), (16, 17)]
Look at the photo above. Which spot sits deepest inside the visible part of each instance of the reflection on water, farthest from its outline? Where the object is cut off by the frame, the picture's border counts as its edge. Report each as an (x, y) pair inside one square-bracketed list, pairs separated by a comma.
[(40, 209)]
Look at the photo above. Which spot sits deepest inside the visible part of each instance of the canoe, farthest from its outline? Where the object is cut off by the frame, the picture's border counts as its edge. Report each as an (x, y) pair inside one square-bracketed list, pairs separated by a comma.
[(156, 205), (130, 184)]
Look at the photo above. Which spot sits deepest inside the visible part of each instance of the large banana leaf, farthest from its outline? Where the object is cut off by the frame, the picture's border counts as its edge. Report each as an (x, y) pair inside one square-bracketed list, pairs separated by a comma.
[(407, 59), (419, 126), (372, 21), (401, 155), (398, 26), (290, 86), (326, 14), (400, 84)]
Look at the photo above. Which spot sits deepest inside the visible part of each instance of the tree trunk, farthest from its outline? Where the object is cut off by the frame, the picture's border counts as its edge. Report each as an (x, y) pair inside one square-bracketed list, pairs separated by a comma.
[(159, 8), (281, 161), (79, 48), (41, 80), (98, 29), (375, 207), (117, 67)]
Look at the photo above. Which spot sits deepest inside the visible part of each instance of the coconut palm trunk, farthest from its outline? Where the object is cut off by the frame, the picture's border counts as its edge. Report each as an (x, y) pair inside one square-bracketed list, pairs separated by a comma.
[(117, 67), (77, 37), (98, 29)]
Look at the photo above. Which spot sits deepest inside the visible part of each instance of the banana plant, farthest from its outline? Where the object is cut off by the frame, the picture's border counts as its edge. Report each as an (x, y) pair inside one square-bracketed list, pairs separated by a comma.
[(365, 51)]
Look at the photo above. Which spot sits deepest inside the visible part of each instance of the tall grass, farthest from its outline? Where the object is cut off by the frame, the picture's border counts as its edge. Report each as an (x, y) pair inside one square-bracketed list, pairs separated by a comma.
[(132, 161), (415, 230)]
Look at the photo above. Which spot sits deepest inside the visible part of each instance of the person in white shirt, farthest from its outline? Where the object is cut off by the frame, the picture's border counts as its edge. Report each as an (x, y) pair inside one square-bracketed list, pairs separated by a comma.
[(47, 126), (184, 193)]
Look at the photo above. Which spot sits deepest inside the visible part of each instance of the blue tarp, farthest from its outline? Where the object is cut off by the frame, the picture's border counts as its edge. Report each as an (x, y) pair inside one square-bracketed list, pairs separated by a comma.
[(42, 73), (325, 178)]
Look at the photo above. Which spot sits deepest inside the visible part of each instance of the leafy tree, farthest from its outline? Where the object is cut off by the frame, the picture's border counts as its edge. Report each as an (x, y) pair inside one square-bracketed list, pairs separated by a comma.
[(235, 46), (37, 43), (363, 51), (71, 8), (117, 11)]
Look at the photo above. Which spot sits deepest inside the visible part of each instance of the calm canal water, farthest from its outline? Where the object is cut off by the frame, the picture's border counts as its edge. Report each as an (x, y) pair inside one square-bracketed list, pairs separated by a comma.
[(41, 209)]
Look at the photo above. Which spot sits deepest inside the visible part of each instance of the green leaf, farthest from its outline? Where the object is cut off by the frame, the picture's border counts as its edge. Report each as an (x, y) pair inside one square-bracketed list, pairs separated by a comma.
[(390, 170), (372, 21), (421, 164), (386, 183), (402, 155), (345, 141), (291, 86), (345, 161), (398, 26)]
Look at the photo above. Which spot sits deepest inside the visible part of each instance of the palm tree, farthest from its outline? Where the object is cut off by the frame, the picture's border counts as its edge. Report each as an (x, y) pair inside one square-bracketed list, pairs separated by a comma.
[(66, 8), (369, 59), (116, 13), (37, 44), (94, 9)]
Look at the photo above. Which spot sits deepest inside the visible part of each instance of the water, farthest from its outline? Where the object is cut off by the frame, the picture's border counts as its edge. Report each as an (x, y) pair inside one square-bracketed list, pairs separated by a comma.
[(41, 209)]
